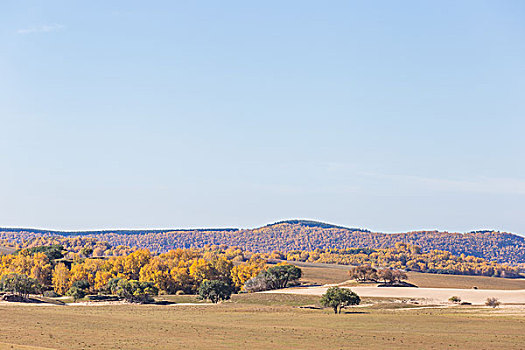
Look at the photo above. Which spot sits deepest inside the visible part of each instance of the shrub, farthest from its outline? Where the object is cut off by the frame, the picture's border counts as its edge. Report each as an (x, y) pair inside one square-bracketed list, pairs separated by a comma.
[(50, 294), (76, 293), (454, 299), (337, 298), (492, 302)]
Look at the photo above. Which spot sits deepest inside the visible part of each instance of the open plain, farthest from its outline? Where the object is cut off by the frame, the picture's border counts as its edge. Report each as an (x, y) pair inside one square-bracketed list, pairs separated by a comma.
[(261, 321)]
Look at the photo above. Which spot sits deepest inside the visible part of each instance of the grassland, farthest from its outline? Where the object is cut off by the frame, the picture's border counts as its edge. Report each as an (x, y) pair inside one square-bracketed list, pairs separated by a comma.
[(428, 280), (333, 274), (257, 321)]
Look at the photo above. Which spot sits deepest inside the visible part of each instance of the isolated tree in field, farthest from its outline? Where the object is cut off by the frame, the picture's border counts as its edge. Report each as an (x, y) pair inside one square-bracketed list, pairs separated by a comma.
[(492, 302), (337, 298), (363, 273), (281, 275), (20, 284), (215, 290), (391, 276)]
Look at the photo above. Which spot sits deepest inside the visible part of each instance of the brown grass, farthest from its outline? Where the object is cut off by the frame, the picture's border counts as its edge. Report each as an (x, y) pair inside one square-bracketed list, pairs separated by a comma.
[(330, 274), (428, 280), (249, 323)]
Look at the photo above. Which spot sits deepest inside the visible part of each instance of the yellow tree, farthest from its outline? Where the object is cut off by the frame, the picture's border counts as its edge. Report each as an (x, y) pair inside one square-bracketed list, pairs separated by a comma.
[(201, 270), (41, 269), (242, 273), (61, 279), (157, 271), (134, 262)]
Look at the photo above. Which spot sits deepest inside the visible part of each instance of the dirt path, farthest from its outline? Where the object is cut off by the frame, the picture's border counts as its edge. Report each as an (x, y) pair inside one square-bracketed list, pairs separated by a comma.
[(428, 295)]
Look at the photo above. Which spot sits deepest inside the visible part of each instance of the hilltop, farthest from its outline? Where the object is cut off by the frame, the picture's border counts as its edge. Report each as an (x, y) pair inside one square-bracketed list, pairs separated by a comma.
[(301, 235)]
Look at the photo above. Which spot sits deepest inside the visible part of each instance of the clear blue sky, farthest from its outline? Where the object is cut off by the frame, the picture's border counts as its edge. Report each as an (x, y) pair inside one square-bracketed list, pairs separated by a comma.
[(387, 115)]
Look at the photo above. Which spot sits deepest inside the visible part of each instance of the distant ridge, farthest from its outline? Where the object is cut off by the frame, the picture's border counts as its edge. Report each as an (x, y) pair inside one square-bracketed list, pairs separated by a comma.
[(312, 223), (96, 232), (297, 234)]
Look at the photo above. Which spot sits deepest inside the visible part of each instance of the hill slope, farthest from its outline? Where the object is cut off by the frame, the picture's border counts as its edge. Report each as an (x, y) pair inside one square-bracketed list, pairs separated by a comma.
[(303, 235), (6, 250)]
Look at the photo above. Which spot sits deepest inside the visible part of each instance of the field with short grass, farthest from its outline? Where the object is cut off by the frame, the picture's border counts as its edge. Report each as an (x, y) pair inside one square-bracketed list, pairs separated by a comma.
[(332, 274), (258, 321), (429, 280)]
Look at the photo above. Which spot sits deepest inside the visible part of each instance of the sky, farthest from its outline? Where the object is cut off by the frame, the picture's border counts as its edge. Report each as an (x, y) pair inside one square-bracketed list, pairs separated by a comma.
[(391, 116)]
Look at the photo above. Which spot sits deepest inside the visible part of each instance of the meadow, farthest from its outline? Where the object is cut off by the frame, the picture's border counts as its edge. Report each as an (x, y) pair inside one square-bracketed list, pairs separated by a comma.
[(258, 321), (333, 274)]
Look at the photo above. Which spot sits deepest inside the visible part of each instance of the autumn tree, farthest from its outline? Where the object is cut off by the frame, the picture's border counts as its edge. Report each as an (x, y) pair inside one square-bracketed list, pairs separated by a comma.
[(60, 279), (492, 302), (240, 274), (363, 273)]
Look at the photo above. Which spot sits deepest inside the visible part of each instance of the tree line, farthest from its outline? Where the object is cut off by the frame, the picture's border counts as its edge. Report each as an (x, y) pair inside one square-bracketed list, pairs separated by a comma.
[(301, 235), (213, 273)]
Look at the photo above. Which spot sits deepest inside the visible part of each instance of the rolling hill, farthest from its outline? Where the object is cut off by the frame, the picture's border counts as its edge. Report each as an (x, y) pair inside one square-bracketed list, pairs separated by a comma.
[(6, 250), (302, 235)]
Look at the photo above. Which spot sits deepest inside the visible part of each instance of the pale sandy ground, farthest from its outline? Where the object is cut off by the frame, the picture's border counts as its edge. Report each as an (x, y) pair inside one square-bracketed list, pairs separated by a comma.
[(426, 295)]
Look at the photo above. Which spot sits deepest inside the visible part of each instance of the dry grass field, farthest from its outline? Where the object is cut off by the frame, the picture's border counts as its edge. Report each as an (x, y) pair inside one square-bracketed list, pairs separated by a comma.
[(328, 273), (257, 321), (429, 280)]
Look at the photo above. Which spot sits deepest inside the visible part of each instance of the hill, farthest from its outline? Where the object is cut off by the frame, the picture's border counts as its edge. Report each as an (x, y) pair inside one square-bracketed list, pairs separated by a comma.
[(6, 250), (302, 235)]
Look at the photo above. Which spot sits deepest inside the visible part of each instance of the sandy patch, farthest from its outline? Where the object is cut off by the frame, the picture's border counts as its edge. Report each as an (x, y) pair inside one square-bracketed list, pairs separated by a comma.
[(427, 295)]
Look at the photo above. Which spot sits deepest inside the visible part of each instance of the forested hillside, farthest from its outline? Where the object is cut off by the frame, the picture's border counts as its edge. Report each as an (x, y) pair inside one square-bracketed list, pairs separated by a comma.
[(302, 235)]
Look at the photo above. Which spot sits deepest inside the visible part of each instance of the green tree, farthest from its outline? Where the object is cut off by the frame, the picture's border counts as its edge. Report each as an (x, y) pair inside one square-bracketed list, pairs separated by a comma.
[(281, 275), (76, 293), (112, 285), (53, 252), (215, 290), (20, 284), (81, 284), (86, 251), (337, 298), (134, 291)]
